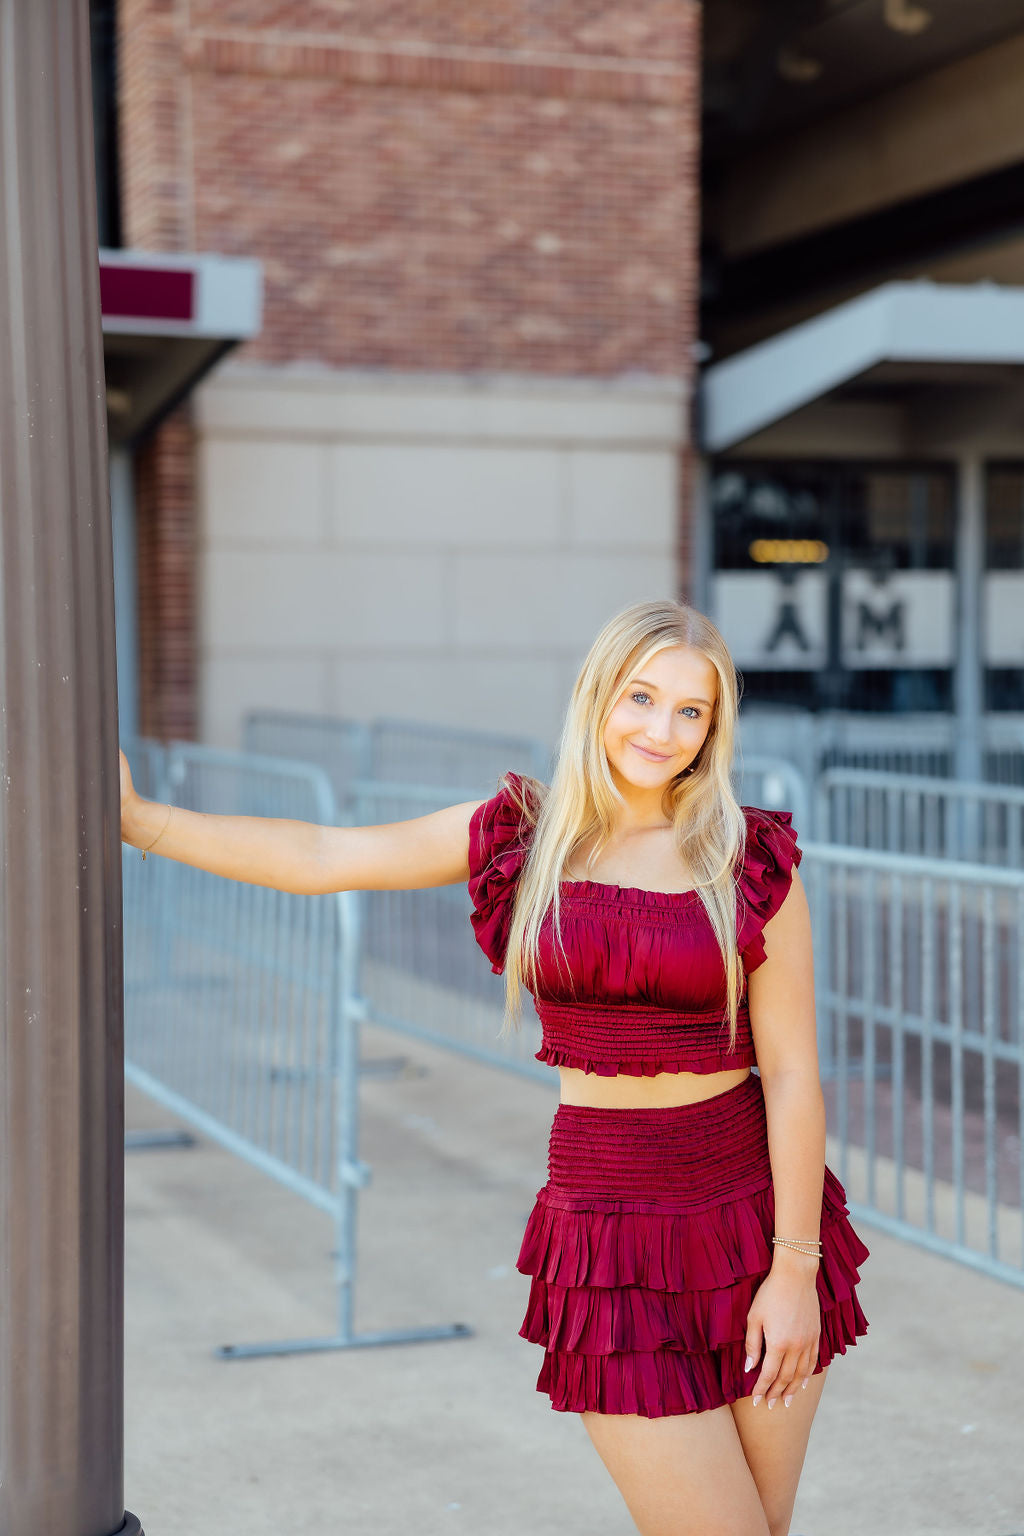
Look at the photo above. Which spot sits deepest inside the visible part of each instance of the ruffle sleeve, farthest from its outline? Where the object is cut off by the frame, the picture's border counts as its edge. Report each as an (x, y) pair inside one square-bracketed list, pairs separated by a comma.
[(769, 859), (498, 844)]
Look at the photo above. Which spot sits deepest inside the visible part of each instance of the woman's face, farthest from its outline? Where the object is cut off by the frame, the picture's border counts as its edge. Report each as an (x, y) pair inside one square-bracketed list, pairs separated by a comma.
[(662, 717)]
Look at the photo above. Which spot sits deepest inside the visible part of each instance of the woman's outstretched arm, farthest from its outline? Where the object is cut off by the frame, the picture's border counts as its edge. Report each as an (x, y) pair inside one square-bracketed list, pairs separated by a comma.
[(303, 857)]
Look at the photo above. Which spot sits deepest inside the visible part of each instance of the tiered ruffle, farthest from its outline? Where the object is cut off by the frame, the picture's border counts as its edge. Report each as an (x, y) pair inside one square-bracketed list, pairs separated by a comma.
[(641, 1304)]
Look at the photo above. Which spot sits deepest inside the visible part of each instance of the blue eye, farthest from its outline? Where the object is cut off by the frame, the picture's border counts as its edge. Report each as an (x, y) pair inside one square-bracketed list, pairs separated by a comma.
[(695, 713)]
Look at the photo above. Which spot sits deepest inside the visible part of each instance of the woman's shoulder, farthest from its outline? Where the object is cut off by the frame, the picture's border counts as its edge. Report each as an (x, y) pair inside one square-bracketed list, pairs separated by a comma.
[(770, 855), (768, 825), (500, 829), (509, 815)]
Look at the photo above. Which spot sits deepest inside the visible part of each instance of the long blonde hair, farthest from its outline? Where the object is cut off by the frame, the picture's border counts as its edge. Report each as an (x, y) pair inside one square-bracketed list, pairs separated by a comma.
[(708, 822)]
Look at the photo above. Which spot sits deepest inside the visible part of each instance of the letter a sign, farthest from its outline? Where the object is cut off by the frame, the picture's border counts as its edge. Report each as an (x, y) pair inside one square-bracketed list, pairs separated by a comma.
[(771, 623)]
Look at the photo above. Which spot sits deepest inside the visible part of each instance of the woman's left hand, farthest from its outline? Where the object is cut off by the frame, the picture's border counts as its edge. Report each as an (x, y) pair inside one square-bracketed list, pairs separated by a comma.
[(785, 1315)]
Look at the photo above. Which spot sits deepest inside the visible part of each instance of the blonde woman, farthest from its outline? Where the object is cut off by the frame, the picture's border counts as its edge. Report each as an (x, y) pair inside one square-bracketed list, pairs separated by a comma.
[(692, 1264)]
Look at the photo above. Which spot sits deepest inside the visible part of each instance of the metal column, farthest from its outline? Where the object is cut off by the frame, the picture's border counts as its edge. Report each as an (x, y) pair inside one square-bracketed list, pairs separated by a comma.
[(967, 676), (61, 1073)]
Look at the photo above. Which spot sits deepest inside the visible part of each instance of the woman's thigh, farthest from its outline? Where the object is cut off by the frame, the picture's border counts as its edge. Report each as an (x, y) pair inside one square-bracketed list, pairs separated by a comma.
[(774, 1443), (681, 1475)]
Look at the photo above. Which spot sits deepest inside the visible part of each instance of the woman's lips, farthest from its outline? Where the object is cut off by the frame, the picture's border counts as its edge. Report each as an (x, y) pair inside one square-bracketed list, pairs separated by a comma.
[(652, 757)]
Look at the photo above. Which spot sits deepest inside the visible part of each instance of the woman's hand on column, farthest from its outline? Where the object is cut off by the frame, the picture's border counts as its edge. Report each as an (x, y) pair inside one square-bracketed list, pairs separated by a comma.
[(128, 798)]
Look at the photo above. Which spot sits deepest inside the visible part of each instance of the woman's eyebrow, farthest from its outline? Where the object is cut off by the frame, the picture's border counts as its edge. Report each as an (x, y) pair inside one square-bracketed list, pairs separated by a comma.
[(694, 700)]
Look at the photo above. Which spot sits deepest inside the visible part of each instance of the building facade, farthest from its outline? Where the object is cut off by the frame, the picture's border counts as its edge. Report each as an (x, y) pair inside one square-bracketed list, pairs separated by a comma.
[(566, 306), (863, 438), (460, 440)]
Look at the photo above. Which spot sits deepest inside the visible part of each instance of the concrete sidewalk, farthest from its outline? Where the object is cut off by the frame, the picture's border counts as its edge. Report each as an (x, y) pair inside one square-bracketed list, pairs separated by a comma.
[(918, 1433)]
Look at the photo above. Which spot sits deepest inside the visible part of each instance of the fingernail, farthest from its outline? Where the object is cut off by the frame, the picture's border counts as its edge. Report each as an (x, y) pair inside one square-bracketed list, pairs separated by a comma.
[(750, 1364), (757, 1399), (771, 1402), (805, 1381), (788, 1400)]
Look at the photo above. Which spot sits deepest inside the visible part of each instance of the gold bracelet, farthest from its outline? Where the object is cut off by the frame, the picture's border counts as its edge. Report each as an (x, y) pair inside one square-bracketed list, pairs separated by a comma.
[(808, 1245), (160, 834)]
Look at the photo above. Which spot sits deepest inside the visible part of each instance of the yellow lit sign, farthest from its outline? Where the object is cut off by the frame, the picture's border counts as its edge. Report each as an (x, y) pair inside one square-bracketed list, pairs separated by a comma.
[(788, 551)]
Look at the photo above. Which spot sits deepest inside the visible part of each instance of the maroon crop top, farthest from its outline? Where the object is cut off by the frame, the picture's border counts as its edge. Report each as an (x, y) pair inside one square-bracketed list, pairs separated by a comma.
[(646, 987)]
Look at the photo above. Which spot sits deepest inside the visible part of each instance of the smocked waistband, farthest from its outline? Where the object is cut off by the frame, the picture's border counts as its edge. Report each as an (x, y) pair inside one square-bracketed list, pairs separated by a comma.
[(648, 1014), (637, 1038), (691, 1154)]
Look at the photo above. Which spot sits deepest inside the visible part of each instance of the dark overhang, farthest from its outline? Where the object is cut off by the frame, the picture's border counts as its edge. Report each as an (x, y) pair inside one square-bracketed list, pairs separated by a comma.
[(772, 66)]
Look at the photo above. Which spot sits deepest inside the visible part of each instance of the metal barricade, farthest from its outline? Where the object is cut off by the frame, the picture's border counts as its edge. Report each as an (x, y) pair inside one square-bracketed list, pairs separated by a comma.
[(243, 1006), (777, 785), (341, 748), (916, 743), (1003, 748), (395, 751), (410, 751), (423, 973), (922, 816), (920, 1008)]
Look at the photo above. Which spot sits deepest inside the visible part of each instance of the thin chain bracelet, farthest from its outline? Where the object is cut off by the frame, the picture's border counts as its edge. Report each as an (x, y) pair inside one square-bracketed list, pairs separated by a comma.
[(808, 1245), (160, 834)]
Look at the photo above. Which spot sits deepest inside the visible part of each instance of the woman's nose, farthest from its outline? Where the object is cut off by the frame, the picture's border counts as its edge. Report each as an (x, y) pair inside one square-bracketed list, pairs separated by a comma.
[(659, 733)]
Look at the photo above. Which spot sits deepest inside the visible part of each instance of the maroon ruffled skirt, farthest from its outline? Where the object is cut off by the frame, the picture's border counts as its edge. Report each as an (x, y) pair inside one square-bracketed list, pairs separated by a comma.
[(646, 1247)]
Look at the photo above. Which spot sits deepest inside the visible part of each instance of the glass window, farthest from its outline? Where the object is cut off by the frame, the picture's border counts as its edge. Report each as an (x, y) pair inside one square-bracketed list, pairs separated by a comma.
[(1002, 603), (833, 581)]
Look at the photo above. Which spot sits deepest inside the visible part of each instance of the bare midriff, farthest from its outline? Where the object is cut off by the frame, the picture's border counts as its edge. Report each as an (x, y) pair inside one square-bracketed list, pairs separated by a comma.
[(659, 1092)]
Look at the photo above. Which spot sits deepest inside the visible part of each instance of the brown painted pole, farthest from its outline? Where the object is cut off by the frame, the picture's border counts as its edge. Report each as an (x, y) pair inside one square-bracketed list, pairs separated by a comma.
[(61, 1072)]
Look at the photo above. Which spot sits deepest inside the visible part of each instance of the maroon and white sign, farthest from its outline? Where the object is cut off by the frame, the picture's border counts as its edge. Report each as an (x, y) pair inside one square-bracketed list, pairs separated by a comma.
[(196, 295)]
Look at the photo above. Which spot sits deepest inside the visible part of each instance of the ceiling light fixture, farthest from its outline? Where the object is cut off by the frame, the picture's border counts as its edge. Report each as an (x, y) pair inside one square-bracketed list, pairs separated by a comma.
[(788, 551), (906, 17), (797, 68)]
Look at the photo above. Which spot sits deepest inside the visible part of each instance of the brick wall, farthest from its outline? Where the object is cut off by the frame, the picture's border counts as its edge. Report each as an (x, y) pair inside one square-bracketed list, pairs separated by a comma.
[(508, 186), (166, 552)]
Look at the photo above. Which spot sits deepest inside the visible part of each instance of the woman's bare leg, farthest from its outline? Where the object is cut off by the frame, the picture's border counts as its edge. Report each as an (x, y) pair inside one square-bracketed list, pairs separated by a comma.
[(681, 1475), (774, 1443)]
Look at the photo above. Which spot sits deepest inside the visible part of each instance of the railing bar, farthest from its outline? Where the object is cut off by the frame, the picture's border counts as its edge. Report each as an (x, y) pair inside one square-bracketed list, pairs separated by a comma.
[(929, 953), (896, 930), (842, 1039), (989, 1020), (956, 984), (870, 928), (1020, 1073)]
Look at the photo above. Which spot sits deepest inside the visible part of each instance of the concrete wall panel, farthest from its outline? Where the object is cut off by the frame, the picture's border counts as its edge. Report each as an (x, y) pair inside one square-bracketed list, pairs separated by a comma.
[(448, 560)]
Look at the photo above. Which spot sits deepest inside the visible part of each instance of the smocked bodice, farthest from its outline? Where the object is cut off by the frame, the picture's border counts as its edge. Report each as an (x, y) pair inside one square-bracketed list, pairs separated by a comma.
[(640, 987)]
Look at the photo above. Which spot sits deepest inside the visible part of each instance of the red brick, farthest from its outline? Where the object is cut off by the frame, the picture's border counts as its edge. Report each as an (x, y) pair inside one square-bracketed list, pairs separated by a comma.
[(375, 160), (166, 552)]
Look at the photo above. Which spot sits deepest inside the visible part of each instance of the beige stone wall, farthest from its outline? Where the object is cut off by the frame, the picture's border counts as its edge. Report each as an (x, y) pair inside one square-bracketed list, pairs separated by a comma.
[(424, 546)]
